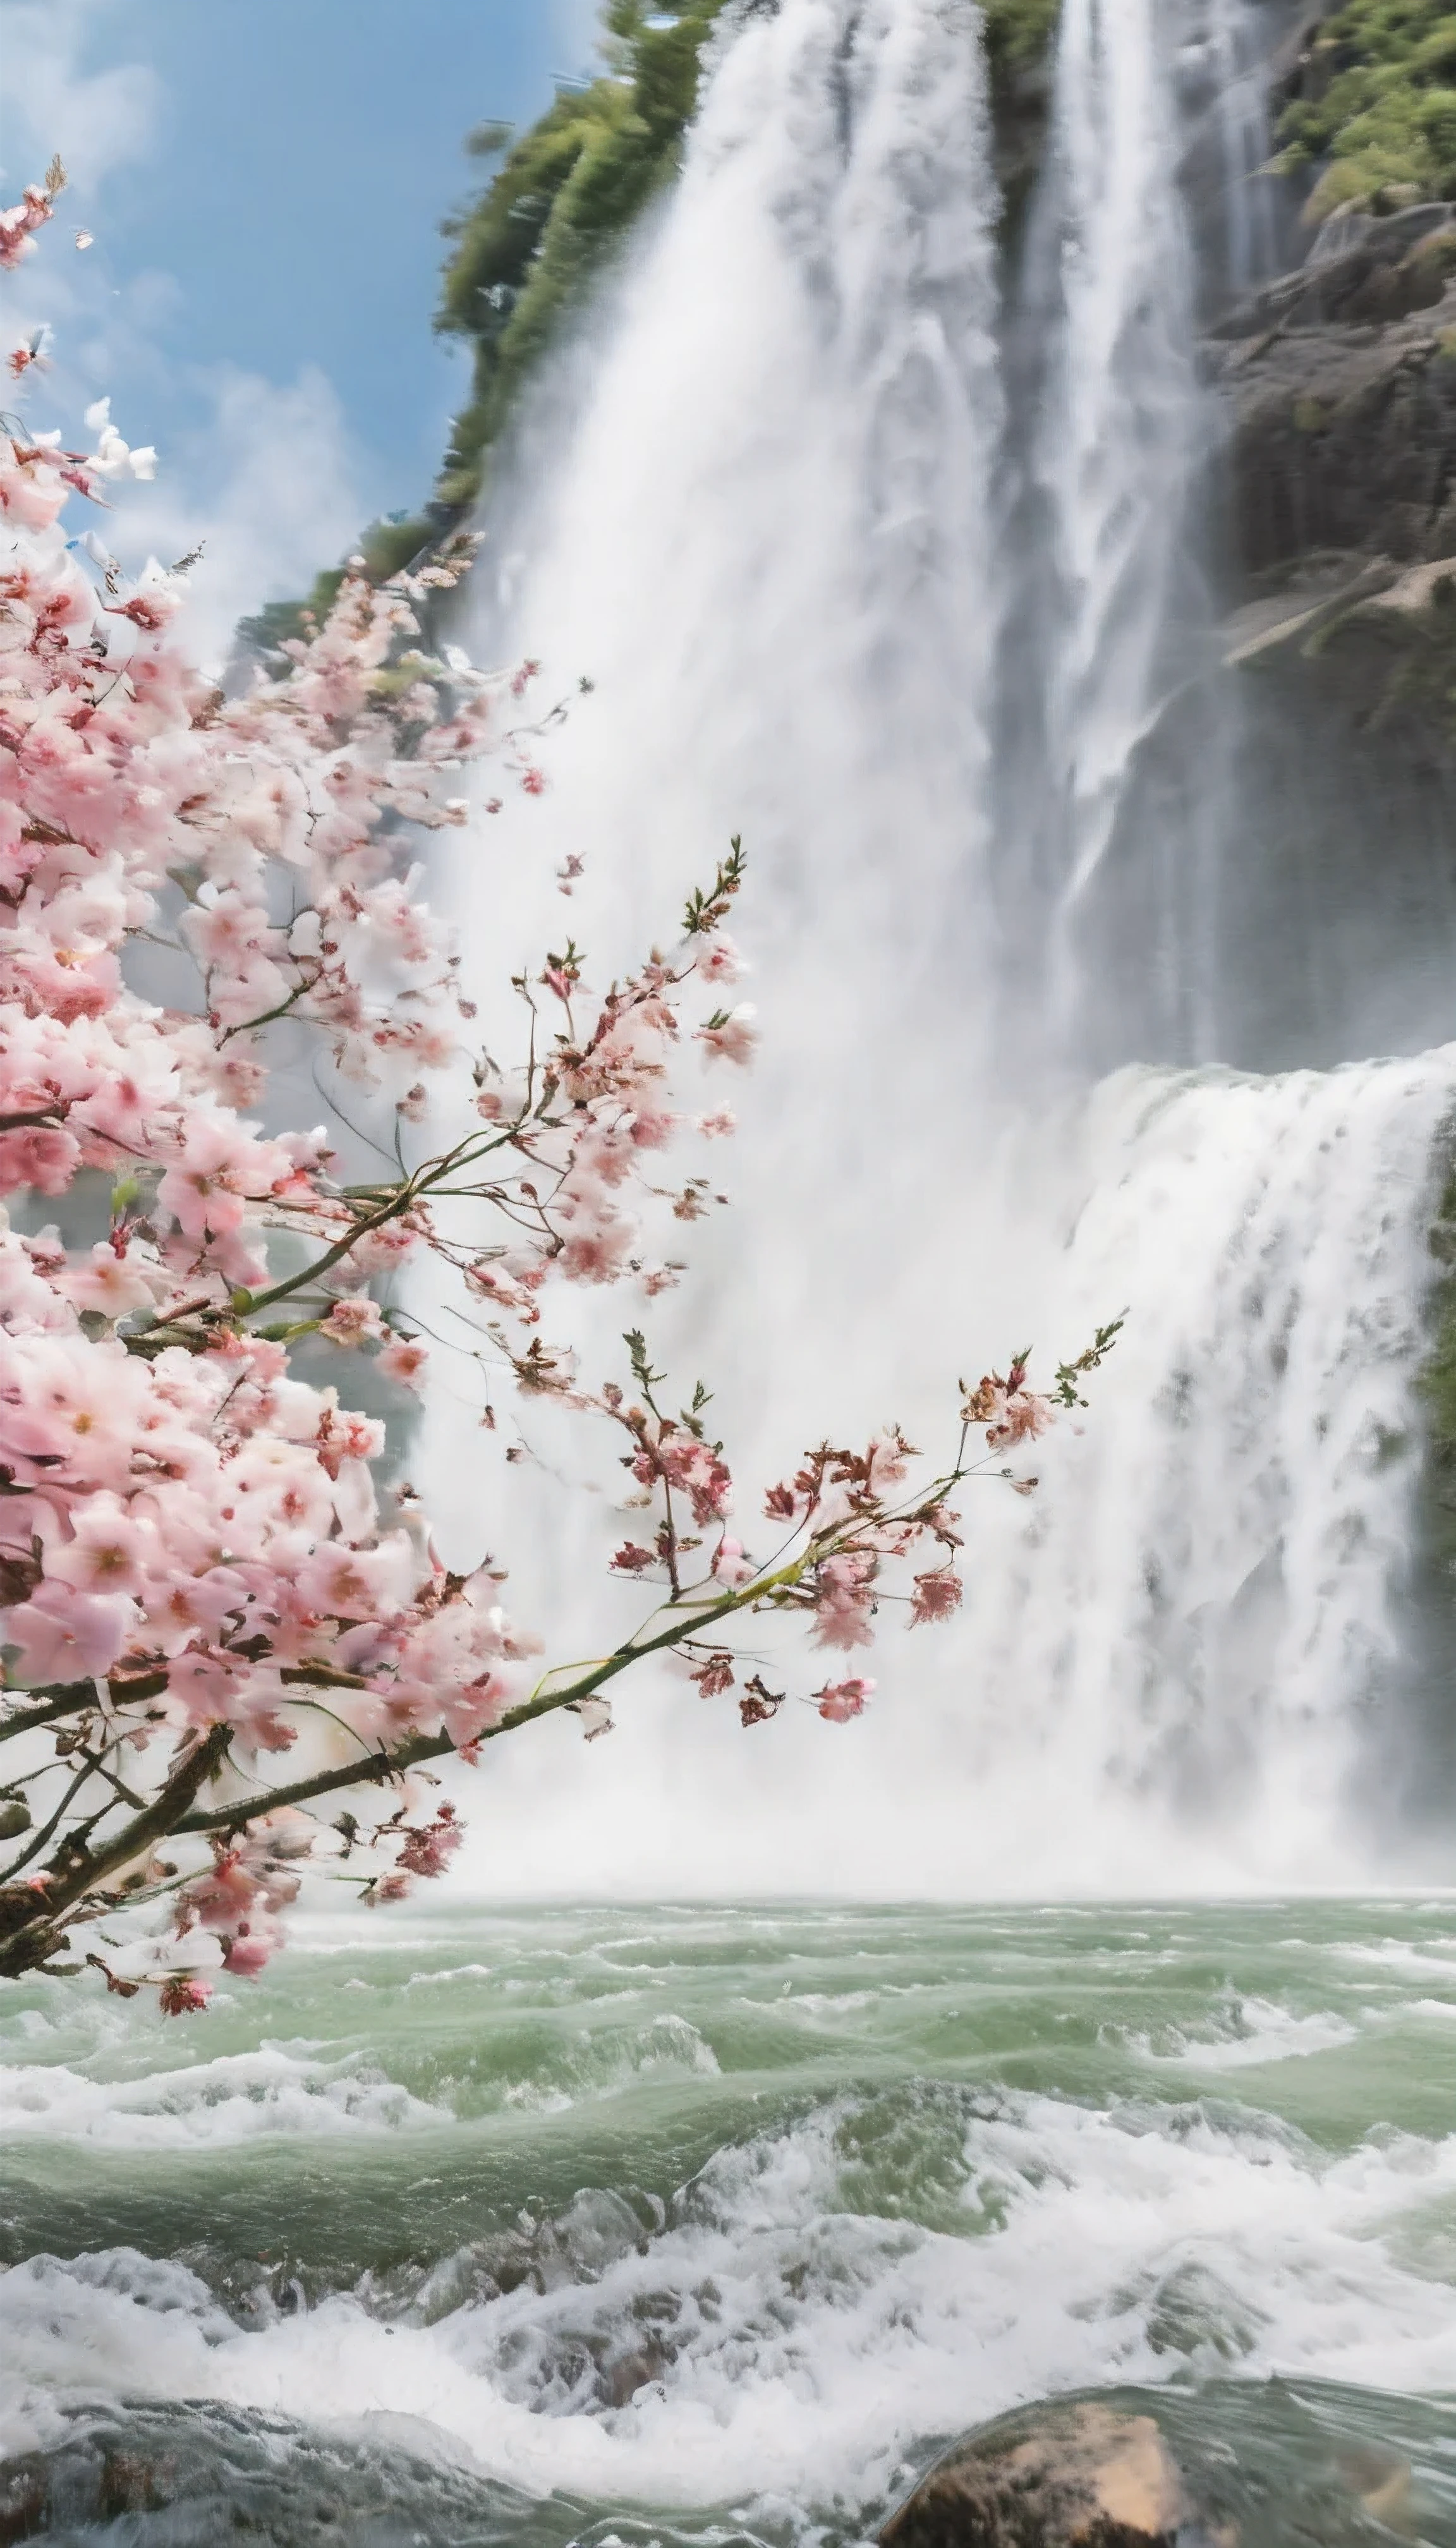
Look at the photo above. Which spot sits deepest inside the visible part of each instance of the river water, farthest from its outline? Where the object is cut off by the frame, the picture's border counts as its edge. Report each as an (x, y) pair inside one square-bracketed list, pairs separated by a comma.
[(709, 2224)]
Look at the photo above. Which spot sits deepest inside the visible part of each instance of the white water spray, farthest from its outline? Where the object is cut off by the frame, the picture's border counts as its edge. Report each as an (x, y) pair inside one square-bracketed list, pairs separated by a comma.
[(770, 540)]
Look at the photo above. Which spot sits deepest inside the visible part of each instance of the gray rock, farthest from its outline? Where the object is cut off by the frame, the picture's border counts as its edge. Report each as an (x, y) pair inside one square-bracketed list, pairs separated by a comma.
[(1369, 270), (1348, 226), (1341, 433)]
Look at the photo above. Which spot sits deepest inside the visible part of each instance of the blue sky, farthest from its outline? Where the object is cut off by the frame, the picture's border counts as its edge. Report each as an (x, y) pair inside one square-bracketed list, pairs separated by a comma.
[(265, 180)]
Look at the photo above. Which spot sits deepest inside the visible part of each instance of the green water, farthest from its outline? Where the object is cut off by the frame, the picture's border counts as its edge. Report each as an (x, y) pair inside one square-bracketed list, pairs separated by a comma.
[(712, 2224)]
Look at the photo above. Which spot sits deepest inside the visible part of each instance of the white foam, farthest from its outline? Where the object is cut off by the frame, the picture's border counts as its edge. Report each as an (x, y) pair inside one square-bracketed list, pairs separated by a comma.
[(239, 2097), (803, 2347), (1249, 2034), (1397, 1957), (289, 2090)]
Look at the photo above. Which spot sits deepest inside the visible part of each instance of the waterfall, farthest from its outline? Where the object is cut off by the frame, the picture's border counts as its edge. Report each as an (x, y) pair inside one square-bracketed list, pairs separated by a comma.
[(1112, 748), (769, 534), (1115, 440), (1236, 77)]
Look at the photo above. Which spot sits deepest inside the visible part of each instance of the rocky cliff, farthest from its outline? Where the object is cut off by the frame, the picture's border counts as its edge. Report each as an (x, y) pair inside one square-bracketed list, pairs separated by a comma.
[(1337, 384)]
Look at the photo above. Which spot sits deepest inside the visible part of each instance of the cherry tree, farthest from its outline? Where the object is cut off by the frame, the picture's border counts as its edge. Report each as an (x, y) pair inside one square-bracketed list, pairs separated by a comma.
[(230, 1649)]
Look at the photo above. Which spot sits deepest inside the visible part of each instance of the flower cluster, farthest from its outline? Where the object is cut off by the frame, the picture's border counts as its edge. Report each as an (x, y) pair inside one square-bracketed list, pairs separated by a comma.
[(20, 222)]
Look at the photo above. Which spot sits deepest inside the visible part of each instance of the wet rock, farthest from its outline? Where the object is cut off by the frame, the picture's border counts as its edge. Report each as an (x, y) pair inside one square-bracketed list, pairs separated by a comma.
[(1079, 2475), (23, 2495), (1357, 269), (1343, 436), (1377, 639), (1338, 382)]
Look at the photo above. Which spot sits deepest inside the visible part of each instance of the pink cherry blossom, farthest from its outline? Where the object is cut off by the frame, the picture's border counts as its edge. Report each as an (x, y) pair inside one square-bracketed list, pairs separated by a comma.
[(17, 224), (731, 1566), (733, 1038), (840, 1700), (250, 1946), (719, 961), (405, 1360), (844, 1603), (184, 1994), (429, 1852), (42, 1156), (107, 1282), (937, 1597), (353, 1321), (65, 1635), (109, 1550), (218, 1169), (597, 1250), (1024, 1418)]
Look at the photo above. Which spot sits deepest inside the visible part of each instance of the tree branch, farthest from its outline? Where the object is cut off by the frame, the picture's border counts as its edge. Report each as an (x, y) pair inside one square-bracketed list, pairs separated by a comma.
[(542, 1703), (77, 1696), (31, 1940)]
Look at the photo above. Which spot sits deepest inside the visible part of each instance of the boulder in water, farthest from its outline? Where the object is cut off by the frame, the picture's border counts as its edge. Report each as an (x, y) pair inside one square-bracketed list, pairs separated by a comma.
[(1074, 2476)]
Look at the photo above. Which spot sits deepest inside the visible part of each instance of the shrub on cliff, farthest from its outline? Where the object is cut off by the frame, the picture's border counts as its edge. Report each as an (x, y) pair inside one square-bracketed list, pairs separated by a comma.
[(1378, 105)]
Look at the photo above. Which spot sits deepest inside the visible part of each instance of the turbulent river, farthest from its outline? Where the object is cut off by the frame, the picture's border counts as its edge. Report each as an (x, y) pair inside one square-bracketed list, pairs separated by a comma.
[(706, 2226)]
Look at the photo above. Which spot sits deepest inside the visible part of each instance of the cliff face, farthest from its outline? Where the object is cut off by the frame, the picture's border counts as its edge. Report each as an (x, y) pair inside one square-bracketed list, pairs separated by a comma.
[(1338, 388)]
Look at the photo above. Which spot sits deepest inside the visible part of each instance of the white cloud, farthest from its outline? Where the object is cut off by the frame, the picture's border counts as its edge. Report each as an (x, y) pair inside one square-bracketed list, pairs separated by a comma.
[(97, 121), (261, 475), (269, 489)]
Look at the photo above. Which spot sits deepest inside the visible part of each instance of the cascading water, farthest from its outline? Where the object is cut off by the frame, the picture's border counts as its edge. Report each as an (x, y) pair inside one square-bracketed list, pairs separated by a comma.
[(1223, 67), (1115, 440), (770, 540)]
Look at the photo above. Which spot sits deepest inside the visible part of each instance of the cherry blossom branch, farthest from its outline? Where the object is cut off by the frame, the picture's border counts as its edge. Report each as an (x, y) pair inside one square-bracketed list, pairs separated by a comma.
[(200, 1561)]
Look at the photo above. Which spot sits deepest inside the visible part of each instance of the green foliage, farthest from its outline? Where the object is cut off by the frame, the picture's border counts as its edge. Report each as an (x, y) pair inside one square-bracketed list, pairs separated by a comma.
[(1384, 117), (384, 547), (1437, 1383), (565, 196), (709, 911), (278, 622), (1018, 33)]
